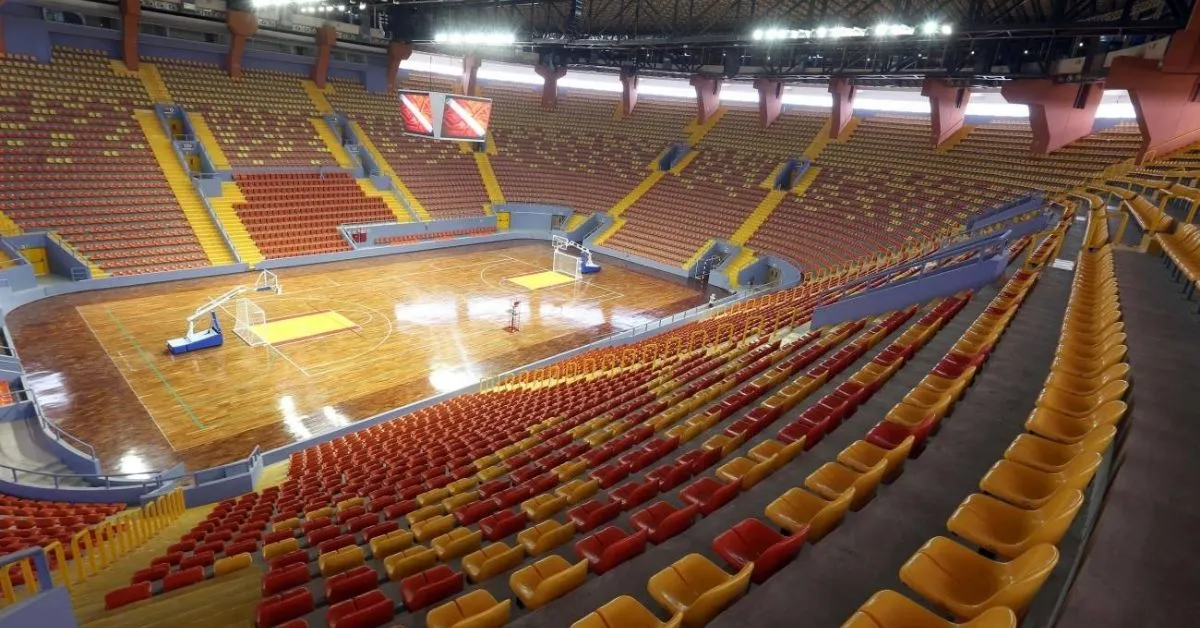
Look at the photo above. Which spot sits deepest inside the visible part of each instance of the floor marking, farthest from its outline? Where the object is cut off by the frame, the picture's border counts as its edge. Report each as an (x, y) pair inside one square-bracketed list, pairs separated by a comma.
[(157, 373)]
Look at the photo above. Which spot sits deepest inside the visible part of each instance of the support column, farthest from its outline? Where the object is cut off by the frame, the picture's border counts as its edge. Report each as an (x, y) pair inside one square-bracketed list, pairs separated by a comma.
[(1059, 113), (398, 52), (470, 71), (629, 81), (947, 107), (843, 105), (242, 26), (770, 100), (550, 76), (708, 95), (131, 15), (3, 50), (325, 38)]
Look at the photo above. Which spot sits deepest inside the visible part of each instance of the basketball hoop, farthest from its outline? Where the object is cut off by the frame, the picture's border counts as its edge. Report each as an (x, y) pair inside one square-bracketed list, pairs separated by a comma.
[(514, 318)]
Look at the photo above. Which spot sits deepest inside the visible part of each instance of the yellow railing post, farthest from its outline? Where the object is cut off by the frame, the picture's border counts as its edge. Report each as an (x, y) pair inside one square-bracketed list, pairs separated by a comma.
[(81, 550)]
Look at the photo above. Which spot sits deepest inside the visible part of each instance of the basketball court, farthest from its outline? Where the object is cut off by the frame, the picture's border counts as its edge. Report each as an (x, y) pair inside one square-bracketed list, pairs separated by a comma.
[(340, 342)]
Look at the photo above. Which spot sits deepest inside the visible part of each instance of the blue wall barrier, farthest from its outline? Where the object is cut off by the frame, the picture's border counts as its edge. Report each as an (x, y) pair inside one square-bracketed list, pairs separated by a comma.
[(50, 608)]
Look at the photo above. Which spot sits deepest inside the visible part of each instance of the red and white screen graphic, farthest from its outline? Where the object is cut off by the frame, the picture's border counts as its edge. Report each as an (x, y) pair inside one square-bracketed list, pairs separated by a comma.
[(416, 109), (466, 118)]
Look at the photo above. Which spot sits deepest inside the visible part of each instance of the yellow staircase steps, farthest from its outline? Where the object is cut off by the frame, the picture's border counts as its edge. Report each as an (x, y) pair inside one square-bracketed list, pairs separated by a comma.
[(958, 136), (317, 96), (742, 259), (699, 253), (696, 131), (683, 163), (390, 200), (397, 184), (641, 188), (331, 143), (849, 130), (154, 84), (490, 182), (209, 141), (238, 235), (185, 193), (608, 233), (819, 142), (758, 216), (575, 221), (805, 181), (769, 182), (8, 227)]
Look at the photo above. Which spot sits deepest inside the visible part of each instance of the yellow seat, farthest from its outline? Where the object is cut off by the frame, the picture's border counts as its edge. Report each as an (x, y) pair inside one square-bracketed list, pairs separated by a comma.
[(888, 609), (237, 562), (1009, 531), (1088, 367), (433, 527), (287, 524), (407, 562), (492, 559), (432, 496), (966, 584), (773, 449), (1029, 488), (929, 400), (390, 543), (798, 508), (952, 388), (545, 536), (458, 487), (625, 612), (542, 507), (547, 579), (698, 588), (578, 490), (726, 444), (327, 511), (1081, 406), (279, 548), (492, 472), (454, 502), (746, 471), (1059, 427), (1051, 456), (862, 456), (1086, 386), (477, 609), (340, 560), (570, 469), (831, 480), (457, 542), (421, 514), (1088, 346)]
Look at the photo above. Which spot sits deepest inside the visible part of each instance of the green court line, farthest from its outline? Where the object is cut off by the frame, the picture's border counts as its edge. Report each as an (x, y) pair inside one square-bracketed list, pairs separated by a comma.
[(157, 373)]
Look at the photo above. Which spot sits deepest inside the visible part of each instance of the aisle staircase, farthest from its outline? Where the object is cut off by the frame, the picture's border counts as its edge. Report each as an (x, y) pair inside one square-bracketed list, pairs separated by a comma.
[(699, 253), (209, 141), (758, 216), (636, 193), (741, 260), (389, 199), (8, 227), (575, 221), (185, 193), (223, 208), (697, 131), (805, 181), (317, 96), (386, 168), (608, 233), (490, 183), (332, 144), (958, 136), (819, 142), (151, 80)]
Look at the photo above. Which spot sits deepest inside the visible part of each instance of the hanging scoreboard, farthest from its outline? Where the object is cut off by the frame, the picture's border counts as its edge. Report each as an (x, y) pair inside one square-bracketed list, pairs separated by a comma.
[(445, 116)]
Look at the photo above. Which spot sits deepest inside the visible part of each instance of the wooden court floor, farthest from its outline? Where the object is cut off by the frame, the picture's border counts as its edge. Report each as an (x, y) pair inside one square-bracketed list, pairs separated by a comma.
[(423, 323)]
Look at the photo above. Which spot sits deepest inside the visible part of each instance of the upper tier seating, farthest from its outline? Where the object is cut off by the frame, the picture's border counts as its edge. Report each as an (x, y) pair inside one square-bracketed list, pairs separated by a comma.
[(718, 190), (298, 214), (76, 162), (443, 178), (261, 119), (578, 155)]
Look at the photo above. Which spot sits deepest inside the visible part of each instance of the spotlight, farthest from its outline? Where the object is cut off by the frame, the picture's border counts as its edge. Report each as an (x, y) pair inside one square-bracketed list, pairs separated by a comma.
[(881, 30), (341, 7), (946, 29), (757, 34), (822, 31), (362, 6), (929, 28)]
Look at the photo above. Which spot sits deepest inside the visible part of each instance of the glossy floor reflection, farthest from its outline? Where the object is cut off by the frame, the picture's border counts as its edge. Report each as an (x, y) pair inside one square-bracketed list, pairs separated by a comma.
[(422, 324)]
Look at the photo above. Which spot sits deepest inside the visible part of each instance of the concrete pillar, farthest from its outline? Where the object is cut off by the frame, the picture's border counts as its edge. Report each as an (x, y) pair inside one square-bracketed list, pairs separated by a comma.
[(470, 71), (629, 81), (1059, 113), (131, 15), (843, 105), (325, 38), (770, 100), (550, 76), (398, 52), (242, 26), (708, 95), (947, 107)]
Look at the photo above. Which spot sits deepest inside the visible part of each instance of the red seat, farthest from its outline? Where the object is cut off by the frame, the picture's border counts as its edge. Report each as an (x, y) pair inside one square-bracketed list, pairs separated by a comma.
[(632, 494), (320, 535), (610, 547), (290, 558), (753, 541), (336, 543), (203, 559), (889, 435), (668, 476), (502, 524), (169, 559), (151, 573), (429, 586), (283, 579), (510, 497), (590, 514), (350, 583), (248, 546), (277, 609), (700, 459), (662, 521), (541, 483), (127, 595), (360, 522), (181, 579), (708, 494), (474, 511), (399, 509), (365, 611), (379, 529), (610, 474)]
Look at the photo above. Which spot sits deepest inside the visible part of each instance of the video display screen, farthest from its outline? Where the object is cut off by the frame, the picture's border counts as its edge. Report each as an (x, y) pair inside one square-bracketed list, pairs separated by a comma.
[(416, 109), (466, 118)]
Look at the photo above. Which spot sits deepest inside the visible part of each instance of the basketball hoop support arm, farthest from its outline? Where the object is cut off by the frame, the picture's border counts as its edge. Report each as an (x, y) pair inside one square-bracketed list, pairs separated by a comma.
[(203, 310)]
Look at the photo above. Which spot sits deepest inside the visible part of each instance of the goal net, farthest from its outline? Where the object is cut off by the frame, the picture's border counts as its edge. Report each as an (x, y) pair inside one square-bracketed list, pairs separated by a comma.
[(566, 264), (267, 282), (248, 314)]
